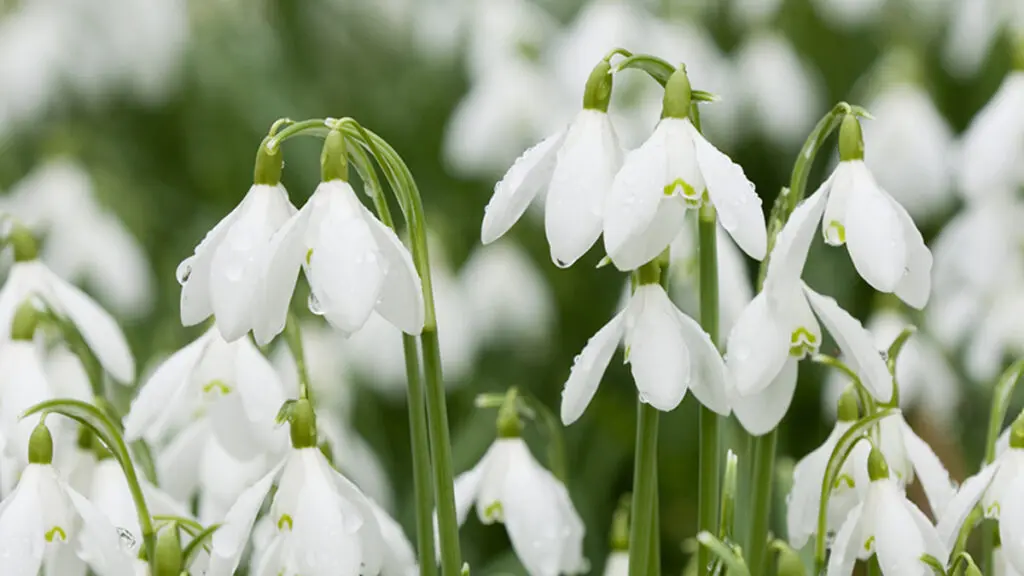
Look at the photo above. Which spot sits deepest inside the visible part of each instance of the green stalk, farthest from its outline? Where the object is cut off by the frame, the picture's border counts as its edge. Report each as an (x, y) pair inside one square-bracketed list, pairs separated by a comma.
[(642, 560), (418, 431), (764, 474), (708, 485)]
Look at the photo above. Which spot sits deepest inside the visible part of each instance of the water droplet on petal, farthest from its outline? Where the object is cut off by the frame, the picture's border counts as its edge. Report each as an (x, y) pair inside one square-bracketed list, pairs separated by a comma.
[(561, 263), (126, 539), (184, 270), (314, 304)]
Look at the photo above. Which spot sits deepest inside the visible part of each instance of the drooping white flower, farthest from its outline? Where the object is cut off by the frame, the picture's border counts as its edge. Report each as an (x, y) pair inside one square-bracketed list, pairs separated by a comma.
[(670, 173), (238, 389), (509, 486), (887, 525), (23, 384), (779, 328), (993, 145), (999, 488), (849, 13), (668, 353), (974, 27), (225, 275), (576, 167), (617, 563), (99, 330), (505, 30), (355, 265)]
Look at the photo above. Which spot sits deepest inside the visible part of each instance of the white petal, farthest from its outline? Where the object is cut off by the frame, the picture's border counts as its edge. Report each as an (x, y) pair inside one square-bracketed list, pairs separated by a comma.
[(617, 564), (794, 240), (915, 287), (757, 349), (23, 384), (640, 220), (467, 487), (588, 368), (761, 412), (513, 193), (709, 379), (929, 471), (21, 532), (574, 209), (325, 546), (738, 205), (489, 505), (840, 189), (258, 385), (150, 411), (401, 298), (856, 343), (657, 349), (804, 497), (399, 556), (177, 464), (846, 545), (346, 269), (99, 330), (194, 273), (286, 253), (960, 507), (229, 540), (933, 543), (1011, 527), (874, 234), (898, 543), (100, 540)]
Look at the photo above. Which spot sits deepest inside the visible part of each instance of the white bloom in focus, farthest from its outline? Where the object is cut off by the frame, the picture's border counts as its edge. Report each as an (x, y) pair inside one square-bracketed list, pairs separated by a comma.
[(236, 387), (325, 526), (887, 525), (99, 330), (667, 351), (225, 275), (576, 167), (778, 328), (676, 169), (509, 486), (1002, 565), (617, 563), (355, 265), (992, 153)]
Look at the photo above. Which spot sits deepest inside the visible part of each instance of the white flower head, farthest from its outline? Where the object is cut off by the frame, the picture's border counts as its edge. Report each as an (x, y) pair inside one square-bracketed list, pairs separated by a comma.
[(576, 167), (677, 169), (509, 486), (668, 353), (23, 383), (887, 525), (225, 275), (355, 266), (993, 145), (235, 386)]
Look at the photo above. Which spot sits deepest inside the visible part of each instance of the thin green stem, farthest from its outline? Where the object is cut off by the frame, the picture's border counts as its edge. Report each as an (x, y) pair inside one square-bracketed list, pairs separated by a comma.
[(814, 142), (708, 485), (654, 563), (293, 337), (1000, 403), (317, 125), (645, 481), (764, 476)]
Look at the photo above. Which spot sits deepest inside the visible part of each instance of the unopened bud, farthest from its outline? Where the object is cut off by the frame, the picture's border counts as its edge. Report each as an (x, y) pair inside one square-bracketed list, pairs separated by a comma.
[(334, 158), (848, 410), (25, 321), (169, 558), (24, 244), (509, 424), (789, 563), (1017, 433)]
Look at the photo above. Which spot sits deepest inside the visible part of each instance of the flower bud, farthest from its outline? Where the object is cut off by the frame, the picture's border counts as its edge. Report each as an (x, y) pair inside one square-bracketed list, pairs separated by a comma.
[(25, 321), (269, 164), (40, 445), (598, 91), (678, 95), (169, 558), (878, 468), (851, 139), (848, 410), (24, 244), (334, 158), (789, 563), (303, 425)]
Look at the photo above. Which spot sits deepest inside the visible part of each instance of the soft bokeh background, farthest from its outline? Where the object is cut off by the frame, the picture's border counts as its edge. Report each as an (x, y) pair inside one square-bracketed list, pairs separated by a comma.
[(127, 129)]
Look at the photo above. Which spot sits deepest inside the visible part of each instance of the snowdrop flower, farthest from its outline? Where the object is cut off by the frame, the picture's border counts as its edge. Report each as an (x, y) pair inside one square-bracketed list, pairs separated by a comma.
[(509, 486), (667, 351), (782, 94), (993, 145), (676, 169), (329, 368), (85, 242), (325, 525), (23, 384), (617, 563), (225, 275), (999, 488), (849, 13), (886, 248), (888, 525), (576, 166), (911, 148), (778, 328), (505, 30), (231, 382), (43, 516), (974, 26), (804, 500), (355, 264), (29, 277)]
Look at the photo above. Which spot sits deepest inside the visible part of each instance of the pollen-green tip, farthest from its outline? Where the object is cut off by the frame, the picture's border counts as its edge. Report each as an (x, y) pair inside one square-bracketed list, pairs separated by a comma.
[(269, 164), (678, 95), (40, 445), (303, 425), (848, 409), (598, 91), (851, 139), (878, 468)]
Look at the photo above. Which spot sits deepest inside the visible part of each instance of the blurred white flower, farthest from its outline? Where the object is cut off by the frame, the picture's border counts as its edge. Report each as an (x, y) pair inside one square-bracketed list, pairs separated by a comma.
[(754, 13), (992, 154), (83, 241), (506, 31), (509, 486), (354, 457), (781, 94), (849, 13), (909, 147), (326, 362), (23, 384), (974, 26)]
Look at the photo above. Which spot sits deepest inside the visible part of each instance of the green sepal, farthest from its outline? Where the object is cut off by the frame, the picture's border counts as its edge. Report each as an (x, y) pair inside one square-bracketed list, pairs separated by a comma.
[(598, 92), (1000, 404), (334, 158), (509, 424), (678, 95), (655, 67), (269, 164), (878, 468), (40, 445), (200, 541), (1017, 433), (285, 413), (932, 562), (851, 139), (169, 558)]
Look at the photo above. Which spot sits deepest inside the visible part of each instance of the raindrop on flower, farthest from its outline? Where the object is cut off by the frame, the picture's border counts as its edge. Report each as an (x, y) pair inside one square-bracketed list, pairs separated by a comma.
[(126, 539), (184, 270), (314, 304)]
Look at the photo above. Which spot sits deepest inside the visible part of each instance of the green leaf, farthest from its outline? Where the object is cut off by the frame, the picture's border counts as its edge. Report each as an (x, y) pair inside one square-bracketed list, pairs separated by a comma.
[(1000, 404), (200, 541), (937, 568), (729, 557), (729, 481), (144, 457)]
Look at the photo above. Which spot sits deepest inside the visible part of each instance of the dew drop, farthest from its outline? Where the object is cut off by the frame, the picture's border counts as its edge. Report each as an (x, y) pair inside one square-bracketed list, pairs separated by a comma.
[(314, 304), (126, 539), (561, 263)]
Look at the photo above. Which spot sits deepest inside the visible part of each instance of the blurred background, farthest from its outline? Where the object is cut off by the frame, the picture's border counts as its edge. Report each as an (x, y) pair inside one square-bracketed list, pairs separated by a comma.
[(127, 129)]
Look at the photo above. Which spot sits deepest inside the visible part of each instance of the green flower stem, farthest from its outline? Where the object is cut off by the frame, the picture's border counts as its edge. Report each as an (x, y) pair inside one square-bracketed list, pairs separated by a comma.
[(316, 126), (293, 337), (708, 485), (1000, 403), (642, 549), (418, 431), (764, 472)]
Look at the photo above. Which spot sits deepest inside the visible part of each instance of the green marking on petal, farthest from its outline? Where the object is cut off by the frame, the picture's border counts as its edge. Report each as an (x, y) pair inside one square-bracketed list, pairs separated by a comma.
[(284, 519), (56, 531), (870, 541), (835, 233), (993, 511), (802, 342), (845, 479), (219, 385), (309, 256), (494, 511)]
